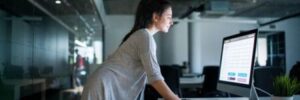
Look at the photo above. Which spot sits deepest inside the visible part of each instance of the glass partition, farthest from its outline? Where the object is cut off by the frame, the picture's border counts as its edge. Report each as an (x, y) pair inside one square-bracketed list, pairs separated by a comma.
[(37, 41), (271, 49)]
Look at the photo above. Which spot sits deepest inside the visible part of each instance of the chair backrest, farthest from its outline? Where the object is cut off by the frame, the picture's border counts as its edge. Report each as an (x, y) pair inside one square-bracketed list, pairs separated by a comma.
[(171, 75), (264, 78), (13, 72), (295, 71), (34, 71), (211, 74)]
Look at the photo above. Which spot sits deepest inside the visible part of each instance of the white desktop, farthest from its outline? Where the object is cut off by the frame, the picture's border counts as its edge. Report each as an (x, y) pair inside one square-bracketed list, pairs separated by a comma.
[(236, 65)]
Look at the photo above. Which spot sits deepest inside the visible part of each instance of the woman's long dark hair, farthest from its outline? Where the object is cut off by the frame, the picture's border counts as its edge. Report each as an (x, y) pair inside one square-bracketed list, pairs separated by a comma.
[(145, 10)]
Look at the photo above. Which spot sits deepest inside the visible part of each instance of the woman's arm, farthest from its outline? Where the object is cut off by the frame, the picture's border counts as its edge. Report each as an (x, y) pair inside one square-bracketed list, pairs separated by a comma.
[(162, 88), (147, 53)]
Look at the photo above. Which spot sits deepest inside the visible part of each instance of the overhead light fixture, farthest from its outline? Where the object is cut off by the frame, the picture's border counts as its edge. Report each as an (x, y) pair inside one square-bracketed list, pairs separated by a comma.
[(94, 19), (82, 44), (75, 28), (36, 4), (57, 1)]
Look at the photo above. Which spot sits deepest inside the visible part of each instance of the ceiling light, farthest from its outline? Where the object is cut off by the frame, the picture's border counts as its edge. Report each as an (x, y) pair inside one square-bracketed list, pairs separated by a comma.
[(75, 28), (83, 44), (57, 1)]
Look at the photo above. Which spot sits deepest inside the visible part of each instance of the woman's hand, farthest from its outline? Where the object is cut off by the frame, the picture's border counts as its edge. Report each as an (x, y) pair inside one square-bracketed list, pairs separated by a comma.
[(174, 97), (162, 88)]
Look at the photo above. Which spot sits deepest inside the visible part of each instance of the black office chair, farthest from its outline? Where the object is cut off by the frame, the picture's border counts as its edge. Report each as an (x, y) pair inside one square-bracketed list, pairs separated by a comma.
[(264, 78), (33, 72), (171, 75), (13, 72), (211, 75)]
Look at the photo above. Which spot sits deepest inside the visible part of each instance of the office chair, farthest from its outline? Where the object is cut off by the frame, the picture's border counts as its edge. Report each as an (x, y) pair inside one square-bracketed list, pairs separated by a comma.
[(13, 72), (295, 72), (211, 75), (33, 72), (264, 78), (47, 70), (171, 75)]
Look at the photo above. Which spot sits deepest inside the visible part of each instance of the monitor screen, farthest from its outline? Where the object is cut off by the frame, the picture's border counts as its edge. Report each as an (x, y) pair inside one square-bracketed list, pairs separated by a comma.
[(236, 63)]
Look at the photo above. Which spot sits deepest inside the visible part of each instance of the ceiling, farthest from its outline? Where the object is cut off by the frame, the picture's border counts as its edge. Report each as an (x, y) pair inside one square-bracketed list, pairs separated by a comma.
[(78, 16), (82, 18), (216, 8)]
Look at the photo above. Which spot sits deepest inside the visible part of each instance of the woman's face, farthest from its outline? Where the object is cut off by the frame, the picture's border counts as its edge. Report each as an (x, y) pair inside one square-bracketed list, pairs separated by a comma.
[(163, 22)]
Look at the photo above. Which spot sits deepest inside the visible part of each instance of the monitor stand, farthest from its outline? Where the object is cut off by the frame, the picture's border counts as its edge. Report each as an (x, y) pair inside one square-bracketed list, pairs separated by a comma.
[(253, 93)]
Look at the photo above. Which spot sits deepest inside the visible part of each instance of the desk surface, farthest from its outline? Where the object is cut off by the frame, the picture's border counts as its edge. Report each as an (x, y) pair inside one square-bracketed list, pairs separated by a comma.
[(191, 82), (296, 97), (235, 98)]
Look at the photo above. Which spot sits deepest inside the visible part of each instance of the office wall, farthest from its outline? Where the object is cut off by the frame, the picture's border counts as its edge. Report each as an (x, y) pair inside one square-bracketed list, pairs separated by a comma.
[(118, 26), (174, 45), (51, 44), (40, 43), (4, 51), (292, 35), (209, 38), (21, 43)]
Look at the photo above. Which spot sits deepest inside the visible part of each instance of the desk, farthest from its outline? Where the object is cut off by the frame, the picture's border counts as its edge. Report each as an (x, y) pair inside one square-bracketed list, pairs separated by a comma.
[(18, 83), (296, 97), (191, 82), (232, 98)]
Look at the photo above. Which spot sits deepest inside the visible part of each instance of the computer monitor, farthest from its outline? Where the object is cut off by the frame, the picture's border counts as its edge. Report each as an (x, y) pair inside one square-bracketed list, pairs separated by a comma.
[(237, 61)]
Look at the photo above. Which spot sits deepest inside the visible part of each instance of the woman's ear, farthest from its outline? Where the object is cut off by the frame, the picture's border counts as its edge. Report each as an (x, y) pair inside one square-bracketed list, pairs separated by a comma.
[(155, 17)]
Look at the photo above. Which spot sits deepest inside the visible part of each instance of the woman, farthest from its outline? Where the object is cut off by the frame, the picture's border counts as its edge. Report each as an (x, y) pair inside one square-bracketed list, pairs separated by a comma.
[(124, 74)]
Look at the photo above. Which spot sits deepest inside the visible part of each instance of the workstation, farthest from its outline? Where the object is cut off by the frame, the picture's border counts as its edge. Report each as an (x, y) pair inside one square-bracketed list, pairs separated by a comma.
[(38, 39)]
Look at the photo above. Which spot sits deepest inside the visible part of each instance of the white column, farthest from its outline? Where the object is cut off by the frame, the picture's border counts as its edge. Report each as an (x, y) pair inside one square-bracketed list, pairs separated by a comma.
[(194, 44)]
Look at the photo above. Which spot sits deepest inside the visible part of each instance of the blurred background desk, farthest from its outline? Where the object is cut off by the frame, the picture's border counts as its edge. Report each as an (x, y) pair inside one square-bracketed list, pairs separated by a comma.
[(191, 82), (18, 83), (296, 97), (191, 86), (233, 98)]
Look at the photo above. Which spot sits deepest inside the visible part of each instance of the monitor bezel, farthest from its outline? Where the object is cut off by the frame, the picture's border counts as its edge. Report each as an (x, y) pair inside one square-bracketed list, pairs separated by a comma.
[(243, 33)]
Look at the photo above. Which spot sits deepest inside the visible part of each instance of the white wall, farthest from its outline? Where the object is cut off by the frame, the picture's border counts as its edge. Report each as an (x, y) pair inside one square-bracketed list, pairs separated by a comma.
[(119, 25), (292, 39), (173, 46), (210, 33), (116, 28)]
